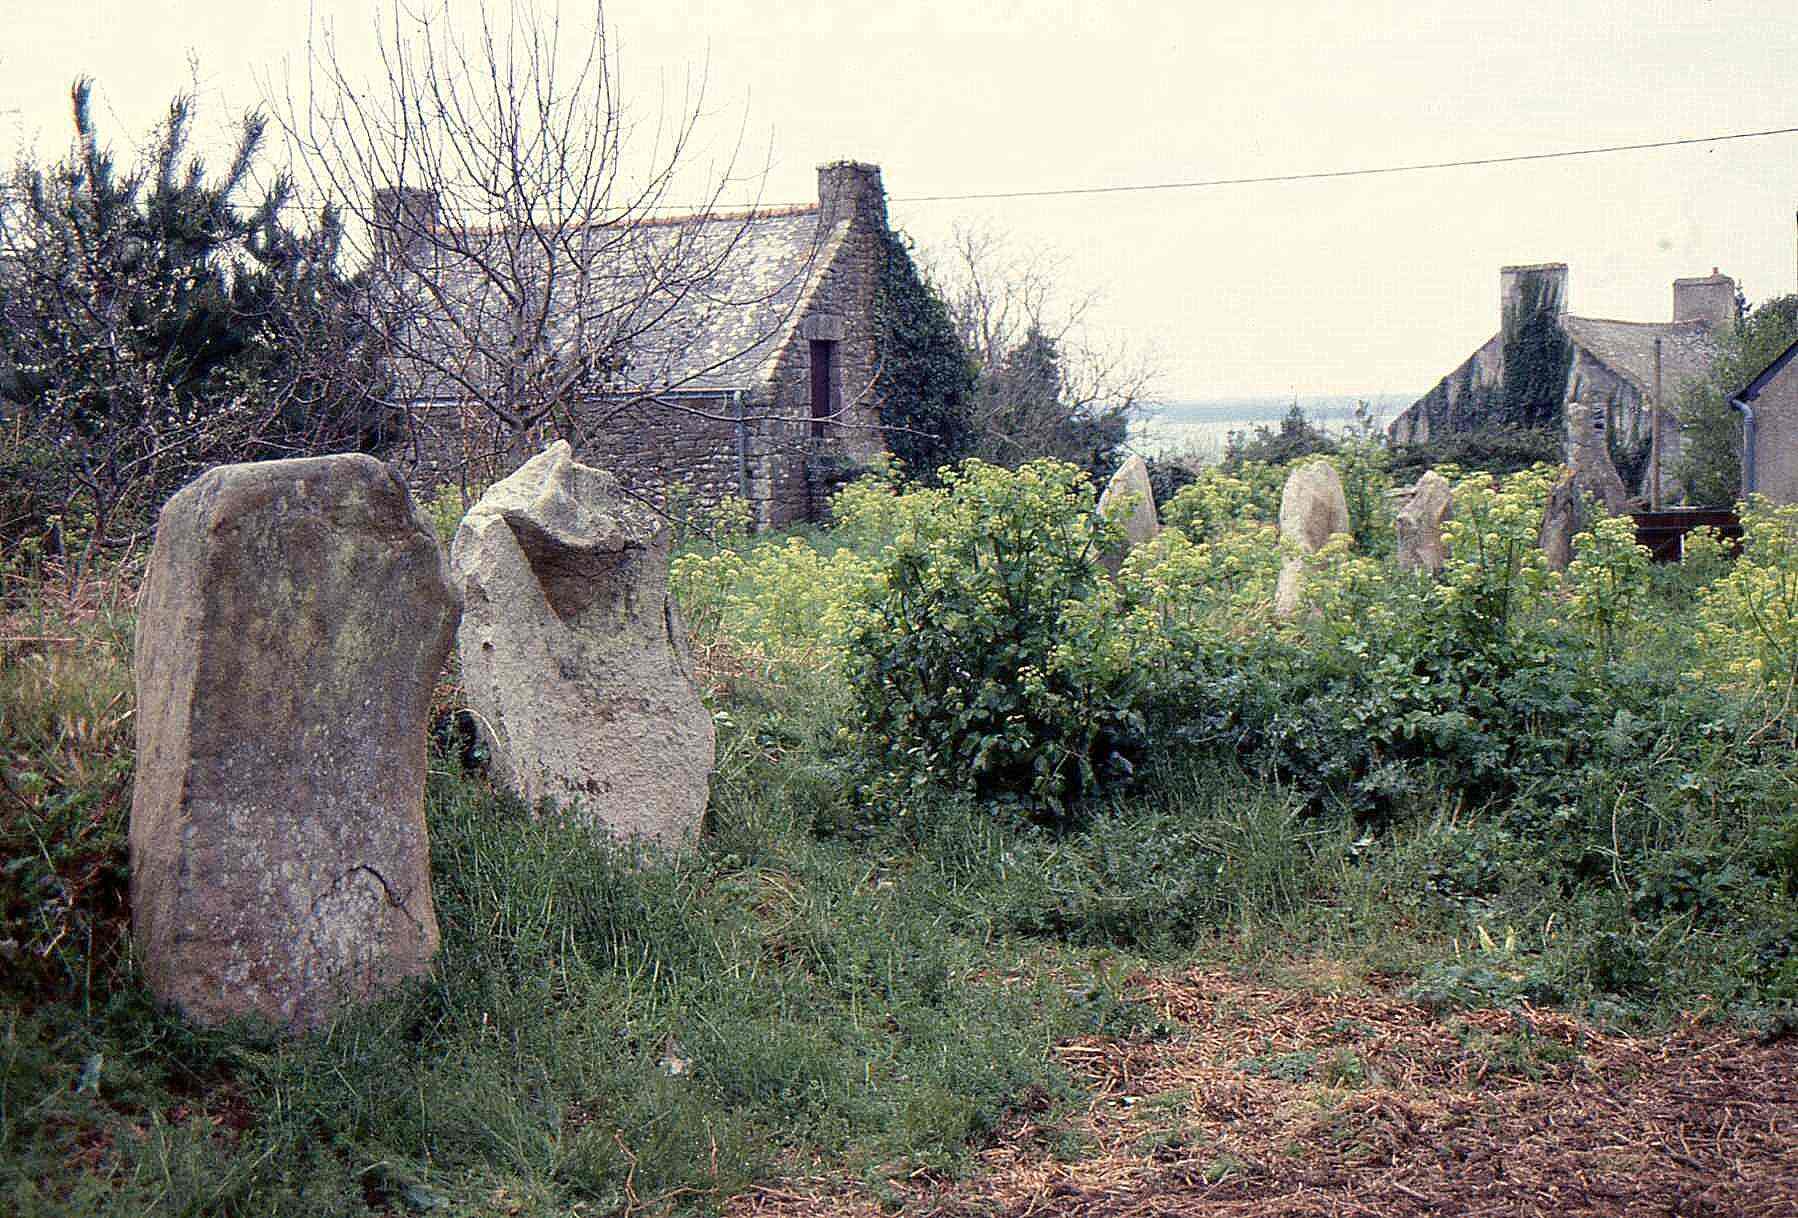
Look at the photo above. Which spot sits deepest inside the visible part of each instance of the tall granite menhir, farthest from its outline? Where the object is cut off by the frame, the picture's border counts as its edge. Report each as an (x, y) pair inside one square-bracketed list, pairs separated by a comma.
[(573, 656), (295, 617)]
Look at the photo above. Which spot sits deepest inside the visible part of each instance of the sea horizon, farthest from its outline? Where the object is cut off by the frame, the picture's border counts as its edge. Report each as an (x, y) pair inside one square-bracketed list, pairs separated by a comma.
[(1200, 427)]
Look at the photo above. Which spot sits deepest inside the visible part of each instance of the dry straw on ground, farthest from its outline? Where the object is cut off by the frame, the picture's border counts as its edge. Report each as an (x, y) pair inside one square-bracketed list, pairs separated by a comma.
[(1287, 1102)]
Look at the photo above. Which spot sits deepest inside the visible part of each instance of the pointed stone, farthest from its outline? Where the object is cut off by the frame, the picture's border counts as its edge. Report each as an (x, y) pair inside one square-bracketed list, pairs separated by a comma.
[(1131, 483), (573, 654), (294, 620)]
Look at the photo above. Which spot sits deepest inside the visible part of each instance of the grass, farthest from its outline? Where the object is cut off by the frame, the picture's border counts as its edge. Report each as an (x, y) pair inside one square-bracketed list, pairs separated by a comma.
[(602, 1028), (825, 991)]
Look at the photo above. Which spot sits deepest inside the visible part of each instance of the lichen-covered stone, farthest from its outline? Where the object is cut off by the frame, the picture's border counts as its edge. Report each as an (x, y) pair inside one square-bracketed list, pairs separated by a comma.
[(1418, 525), (1131, 484), (1312, 509), (295, 617), (573, 654)]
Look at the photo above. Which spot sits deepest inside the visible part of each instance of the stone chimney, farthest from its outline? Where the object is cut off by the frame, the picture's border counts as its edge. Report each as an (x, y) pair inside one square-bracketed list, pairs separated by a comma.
[(1710, 299), (850, 190), (1527, 290), (403, 217)]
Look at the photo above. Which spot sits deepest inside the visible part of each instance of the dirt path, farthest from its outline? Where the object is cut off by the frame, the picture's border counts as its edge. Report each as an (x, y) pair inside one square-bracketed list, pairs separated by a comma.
[(1285, 1102)]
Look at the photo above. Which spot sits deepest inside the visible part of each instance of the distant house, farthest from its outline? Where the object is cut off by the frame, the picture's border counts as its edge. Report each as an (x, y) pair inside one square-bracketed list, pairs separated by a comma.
[(1595, 378), (760, 383), (1770, 427)]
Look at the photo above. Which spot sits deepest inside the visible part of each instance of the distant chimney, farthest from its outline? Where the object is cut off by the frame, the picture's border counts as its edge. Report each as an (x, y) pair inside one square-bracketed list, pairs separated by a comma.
[(403, 217), (850, 190), (1524, 291), (1710, 299)]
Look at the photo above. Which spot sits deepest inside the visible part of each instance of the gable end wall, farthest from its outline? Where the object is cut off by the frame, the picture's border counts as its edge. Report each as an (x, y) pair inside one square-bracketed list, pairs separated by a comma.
[(1776, 437)]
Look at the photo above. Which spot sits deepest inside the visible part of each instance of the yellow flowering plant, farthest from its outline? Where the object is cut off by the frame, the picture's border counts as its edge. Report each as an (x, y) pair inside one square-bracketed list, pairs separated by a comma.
[(1495, 571), (1218, 500), (1748, 619), (1606, 582), (786, 602)]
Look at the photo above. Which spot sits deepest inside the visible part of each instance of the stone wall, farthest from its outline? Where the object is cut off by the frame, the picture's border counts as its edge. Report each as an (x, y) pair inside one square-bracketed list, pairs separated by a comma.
[(1626, 421), (687, 442), (1457, 403), (675, 456), (1710, 299), (1776, 438)]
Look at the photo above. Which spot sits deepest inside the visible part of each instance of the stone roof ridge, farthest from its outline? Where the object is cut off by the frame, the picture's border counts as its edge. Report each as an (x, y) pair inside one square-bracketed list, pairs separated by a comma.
[(742, 216), (719, 217), (1692, 324)]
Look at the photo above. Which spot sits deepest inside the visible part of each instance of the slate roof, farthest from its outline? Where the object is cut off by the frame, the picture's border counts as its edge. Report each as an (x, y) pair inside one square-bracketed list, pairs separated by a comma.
[(717, 327), (726, 334), (1627, 348)]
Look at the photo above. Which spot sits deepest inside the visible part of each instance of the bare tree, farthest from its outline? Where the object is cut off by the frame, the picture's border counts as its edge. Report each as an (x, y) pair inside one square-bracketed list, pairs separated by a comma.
[(1044, 387), (506, 204)]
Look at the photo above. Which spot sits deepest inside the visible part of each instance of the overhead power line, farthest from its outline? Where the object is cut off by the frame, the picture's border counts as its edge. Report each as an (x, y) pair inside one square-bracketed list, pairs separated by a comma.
[(1321, 175), (1207, 183)]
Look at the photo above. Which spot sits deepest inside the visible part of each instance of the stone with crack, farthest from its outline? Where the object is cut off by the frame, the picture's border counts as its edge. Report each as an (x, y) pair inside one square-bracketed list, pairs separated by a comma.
[(294, 619), (574, 657)]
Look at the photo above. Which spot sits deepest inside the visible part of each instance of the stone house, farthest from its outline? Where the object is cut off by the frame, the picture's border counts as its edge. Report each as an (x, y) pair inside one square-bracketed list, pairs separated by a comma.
[(1770, 427), (759, 383), (1594, 377)]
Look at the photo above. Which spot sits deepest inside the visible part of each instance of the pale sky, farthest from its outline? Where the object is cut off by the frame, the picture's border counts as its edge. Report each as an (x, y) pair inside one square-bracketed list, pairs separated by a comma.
[(1342, 286)]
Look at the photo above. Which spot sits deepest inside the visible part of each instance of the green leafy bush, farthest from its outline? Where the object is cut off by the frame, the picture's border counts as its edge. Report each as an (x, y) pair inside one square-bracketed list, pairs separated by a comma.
[(1495, 573), (980, 658), (1218, 500), (1492, 450), (784, 601)]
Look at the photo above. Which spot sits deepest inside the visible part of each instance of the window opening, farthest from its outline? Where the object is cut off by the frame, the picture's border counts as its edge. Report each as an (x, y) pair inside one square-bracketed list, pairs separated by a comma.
[(823, 376)]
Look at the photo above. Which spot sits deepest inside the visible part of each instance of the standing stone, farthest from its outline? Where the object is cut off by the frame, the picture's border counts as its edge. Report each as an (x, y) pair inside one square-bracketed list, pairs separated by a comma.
[(1562, 520), (1312, 509), (573, 653), (1132, 481), (294, 620), (1419, 525)]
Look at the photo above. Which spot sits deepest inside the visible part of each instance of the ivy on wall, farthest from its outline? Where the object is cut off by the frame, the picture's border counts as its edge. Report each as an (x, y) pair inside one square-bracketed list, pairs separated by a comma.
[(926, 378), (1537, 357)]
